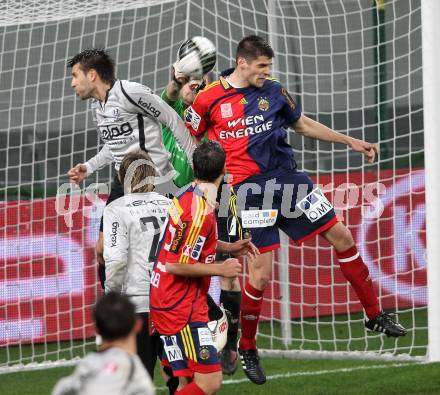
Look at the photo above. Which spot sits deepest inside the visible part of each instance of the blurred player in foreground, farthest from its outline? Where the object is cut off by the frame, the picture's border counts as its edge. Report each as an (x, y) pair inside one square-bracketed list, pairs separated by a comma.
[(248, 113), (181, 277), (115, 369), (179, 94)]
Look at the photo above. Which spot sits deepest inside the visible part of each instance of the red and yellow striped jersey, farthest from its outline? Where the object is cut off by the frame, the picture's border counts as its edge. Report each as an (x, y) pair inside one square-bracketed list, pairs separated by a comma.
[(190, 237), (250, 123)]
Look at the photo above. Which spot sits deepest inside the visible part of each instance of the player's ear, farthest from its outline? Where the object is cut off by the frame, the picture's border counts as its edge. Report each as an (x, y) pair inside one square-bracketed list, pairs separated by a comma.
[(92, 75), (241, 61)]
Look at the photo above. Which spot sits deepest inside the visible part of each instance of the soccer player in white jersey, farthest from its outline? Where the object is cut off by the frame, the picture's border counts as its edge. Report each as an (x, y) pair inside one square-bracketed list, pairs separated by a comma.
[(115, 369), (132, 227), (128, 116)]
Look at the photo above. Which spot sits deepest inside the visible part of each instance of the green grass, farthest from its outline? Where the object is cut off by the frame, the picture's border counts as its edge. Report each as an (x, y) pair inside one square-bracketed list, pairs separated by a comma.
[(342, 333), (339, 333), (306, 377)]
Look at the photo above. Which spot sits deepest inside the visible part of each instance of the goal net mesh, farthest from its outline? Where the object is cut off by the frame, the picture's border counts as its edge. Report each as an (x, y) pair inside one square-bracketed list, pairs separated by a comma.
[(353, 65)]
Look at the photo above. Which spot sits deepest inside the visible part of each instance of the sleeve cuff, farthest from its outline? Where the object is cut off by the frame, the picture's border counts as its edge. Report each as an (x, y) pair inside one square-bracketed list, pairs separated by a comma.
[(90, 169)]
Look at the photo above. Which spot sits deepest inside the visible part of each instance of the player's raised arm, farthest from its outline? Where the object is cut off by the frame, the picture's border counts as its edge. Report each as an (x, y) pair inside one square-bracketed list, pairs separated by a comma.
[(311, 128), (81, 171), (143, 100)]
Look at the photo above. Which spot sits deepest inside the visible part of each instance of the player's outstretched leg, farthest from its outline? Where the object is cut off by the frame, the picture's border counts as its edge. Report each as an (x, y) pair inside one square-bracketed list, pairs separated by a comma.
[(356, 272), (251, 303), (230, 298)]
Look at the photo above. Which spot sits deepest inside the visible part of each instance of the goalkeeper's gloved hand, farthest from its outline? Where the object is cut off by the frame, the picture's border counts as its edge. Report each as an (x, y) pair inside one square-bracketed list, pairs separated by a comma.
[(178, 76)]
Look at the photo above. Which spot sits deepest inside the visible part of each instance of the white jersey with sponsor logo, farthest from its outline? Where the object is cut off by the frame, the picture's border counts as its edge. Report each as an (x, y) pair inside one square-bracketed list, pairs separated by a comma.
[(132, 228), (110, 372), (130, 119)]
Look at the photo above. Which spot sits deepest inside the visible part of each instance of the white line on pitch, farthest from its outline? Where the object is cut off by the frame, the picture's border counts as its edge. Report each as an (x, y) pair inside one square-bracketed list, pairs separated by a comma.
[(316, 373)]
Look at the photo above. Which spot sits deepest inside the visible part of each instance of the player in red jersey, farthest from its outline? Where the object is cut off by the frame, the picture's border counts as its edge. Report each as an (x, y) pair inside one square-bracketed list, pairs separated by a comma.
[(248, 113), (181, 277)]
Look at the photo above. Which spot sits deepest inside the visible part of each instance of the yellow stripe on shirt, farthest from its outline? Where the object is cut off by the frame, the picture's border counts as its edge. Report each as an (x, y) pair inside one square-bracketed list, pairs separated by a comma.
[(196, 227)]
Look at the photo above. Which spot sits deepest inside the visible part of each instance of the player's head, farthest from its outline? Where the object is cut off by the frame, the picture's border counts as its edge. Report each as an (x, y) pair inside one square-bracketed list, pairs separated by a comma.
[(89, 68), (189, 90), (137, 172), (254, 60), (115, 317), (209, 161)]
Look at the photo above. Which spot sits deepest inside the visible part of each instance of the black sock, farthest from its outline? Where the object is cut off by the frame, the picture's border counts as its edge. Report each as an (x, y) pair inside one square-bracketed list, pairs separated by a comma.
[(214, 311), (231, 301), (101, 275), (172, 384)]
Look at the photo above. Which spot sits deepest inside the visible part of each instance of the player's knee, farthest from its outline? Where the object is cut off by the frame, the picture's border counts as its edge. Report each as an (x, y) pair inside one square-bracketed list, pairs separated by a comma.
[(236, 284), (341, 237), (230, 284), (347, 240), (261, 281)]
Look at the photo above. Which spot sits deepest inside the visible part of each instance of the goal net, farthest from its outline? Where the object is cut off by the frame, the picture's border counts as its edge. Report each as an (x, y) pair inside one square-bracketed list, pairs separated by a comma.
[(354, 65)]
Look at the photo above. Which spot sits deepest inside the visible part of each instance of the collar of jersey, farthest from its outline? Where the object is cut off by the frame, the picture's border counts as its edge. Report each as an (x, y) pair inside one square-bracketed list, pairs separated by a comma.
[(227, 86), (112, 84)]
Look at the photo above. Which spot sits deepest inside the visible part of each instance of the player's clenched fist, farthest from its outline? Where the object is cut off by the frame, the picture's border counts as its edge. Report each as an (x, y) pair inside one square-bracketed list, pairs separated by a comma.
[(231, 268), (78, 173)]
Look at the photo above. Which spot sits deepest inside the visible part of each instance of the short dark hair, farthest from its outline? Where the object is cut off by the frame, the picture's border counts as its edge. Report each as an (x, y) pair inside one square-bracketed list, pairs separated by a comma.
[(141, 175), (114, 315), (209, 161), (251, 47), (97, 59)]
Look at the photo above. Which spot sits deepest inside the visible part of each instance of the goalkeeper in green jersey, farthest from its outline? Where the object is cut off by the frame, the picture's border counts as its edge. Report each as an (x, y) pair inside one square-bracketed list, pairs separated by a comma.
[(179, 94)]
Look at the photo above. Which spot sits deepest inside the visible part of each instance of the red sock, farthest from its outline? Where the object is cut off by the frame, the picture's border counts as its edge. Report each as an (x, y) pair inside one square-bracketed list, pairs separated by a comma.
[(190, 389), (356, 272), (251, 302)]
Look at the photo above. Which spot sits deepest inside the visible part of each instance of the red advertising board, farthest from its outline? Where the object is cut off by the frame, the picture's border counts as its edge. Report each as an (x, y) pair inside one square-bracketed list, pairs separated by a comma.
[(48, 271), (390, 235)]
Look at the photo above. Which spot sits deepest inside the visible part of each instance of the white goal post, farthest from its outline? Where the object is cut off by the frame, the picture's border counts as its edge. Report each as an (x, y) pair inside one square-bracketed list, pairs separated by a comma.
[(354, 65)]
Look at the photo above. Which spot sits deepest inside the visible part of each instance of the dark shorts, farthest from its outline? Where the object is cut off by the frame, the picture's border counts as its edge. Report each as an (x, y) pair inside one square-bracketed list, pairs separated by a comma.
[(190, 351), (286, 200), (116, 191), (222, 218)]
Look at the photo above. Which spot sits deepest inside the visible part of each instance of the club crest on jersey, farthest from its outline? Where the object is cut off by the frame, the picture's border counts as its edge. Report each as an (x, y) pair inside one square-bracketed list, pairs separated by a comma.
[(226, 110), (117, 115), (197, 249), (204, 353), (263, 103)]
